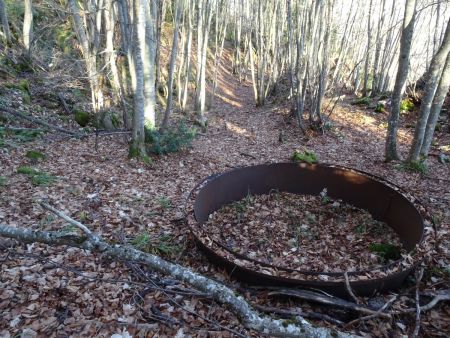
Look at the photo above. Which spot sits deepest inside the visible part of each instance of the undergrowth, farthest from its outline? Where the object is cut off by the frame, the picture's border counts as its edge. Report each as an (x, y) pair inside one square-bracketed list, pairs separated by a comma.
[(37, 177), (414, 166), (307, 156), (171, 140), (160, 245)]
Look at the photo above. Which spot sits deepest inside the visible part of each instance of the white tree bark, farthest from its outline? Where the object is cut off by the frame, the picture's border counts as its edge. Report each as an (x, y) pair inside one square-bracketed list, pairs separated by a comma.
[(89, 45), (402, 73), (28, 25), (436, 106), (137, 146), (431, 83), (4, 20), (173, 58), (148, 55)]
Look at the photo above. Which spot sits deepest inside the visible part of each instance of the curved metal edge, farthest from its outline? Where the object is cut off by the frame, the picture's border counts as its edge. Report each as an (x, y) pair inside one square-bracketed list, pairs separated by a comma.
[(362, 287)]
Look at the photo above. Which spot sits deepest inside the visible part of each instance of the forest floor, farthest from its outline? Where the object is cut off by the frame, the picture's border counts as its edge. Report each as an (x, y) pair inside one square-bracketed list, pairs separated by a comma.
[(60, 292)]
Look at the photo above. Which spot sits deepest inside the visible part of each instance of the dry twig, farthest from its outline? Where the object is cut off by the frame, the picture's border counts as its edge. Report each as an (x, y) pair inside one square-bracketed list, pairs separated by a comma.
[(419, 276), (349, 288)]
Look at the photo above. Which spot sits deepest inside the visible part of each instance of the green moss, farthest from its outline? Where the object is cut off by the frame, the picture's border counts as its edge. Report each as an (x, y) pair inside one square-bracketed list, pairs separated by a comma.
[(24, 85), (306, 156), (2, 181), (35, 155), (26, 98), (37, 177), (27, 170), (82, 117), (385, 250), (364, 101)]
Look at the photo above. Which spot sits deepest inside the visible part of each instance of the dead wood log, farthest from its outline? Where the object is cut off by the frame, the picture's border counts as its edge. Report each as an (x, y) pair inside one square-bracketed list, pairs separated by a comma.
[(36, 121), (327, 300), (92, 242)]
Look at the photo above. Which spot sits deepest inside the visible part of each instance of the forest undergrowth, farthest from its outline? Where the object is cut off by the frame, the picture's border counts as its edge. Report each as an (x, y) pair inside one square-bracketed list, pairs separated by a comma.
[(60, 292)]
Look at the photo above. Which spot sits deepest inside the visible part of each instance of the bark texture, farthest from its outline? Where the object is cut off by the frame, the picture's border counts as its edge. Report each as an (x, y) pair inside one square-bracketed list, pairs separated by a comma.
[(402, 73)]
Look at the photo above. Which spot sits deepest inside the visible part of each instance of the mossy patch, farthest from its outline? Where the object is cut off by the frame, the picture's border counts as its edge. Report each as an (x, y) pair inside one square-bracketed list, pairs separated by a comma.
[(35, 155), (386, 251), (82, 117), (37, 177), (362, 101)]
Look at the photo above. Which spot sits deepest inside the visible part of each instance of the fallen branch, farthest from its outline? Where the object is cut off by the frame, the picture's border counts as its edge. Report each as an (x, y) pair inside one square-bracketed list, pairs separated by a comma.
[(297, 312), (444, 295), (419, 276), (375, 315), (250, 318), (31, 119), (349, 288), (18, 129), (322, 299)]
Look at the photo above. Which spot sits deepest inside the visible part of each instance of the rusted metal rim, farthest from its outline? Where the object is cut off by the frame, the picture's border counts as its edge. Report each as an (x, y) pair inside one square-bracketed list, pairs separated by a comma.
[(382, 199)]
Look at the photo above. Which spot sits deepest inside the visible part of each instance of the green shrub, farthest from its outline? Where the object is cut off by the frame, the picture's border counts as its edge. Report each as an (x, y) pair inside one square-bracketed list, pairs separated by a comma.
[(2, 181), (406, 105), (169, 141), (306, 156), (380, 108)]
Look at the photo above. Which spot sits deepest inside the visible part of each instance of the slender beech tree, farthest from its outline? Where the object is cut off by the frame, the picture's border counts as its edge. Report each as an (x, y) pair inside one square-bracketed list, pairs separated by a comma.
[(148, 60), (137, 146), (431, 83), (28, 26), (5, 23), (87, 27), (402, 73), (173, 58), (436, 106)]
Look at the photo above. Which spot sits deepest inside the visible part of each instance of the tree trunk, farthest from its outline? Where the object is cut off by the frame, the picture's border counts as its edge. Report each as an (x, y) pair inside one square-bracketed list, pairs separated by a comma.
[(137, 146), (148, 60), (367, 63), (402, 73), (173, 58), (4, 20), (431, 83), (28, 26), (89, 54), (187, 54), (161, 13), (439, 98)]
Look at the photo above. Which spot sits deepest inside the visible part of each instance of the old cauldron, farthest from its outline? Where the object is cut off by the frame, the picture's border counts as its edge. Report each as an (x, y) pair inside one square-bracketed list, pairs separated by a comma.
[(383, 200)]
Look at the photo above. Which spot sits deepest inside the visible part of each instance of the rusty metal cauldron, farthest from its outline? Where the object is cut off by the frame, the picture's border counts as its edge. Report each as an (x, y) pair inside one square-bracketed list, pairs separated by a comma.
[(382, 199)]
